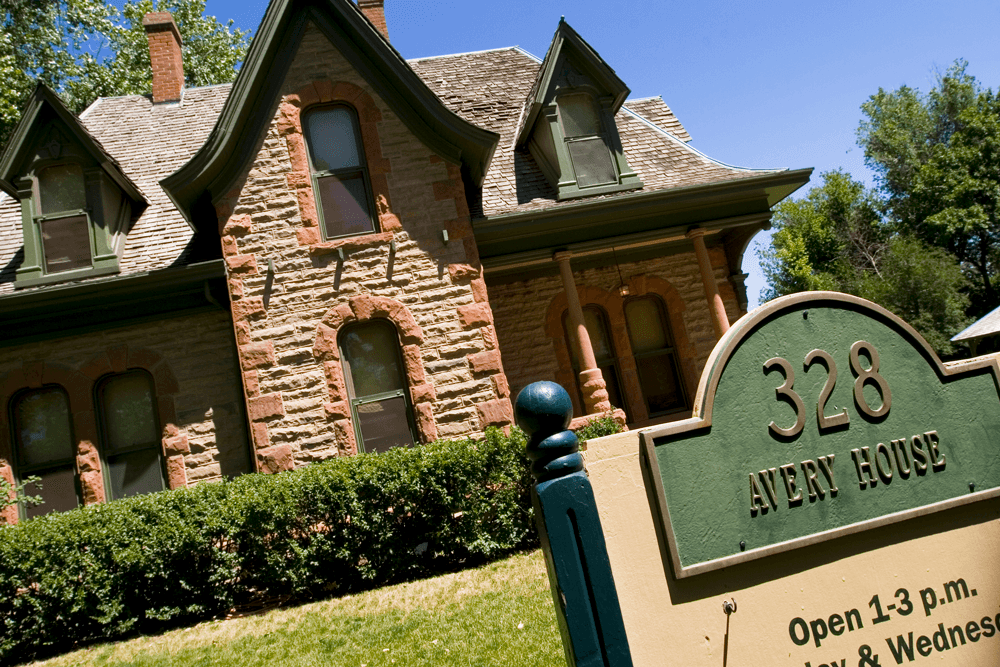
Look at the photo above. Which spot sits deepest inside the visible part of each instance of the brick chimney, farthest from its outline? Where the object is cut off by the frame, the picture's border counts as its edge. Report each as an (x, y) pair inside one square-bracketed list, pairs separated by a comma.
[(375, 11), (165, 56)]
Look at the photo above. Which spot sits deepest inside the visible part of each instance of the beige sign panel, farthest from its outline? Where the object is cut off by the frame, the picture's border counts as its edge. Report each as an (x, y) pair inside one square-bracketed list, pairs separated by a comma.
[(925, 591)]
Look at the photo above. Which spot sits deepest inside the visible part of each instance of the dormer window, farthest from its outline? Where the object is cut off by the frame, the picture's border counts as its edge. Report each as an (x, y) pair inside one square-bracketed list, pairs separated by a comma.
[(76, 202), (339, 172), (568, 124), (62, 218), (585, 140)]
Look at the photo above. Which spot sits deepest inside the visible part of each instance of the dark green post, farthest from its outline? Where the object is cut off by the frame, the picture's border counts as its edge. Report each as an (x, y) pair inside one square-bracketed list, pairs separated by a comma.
[(583, 589)]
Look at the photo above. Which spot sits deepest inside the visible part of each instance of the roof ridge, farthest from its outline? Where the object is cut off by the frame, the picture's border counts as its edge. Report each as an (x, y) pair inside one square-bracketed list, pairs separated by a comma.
[(468, 53), (694, 150), (644, 99), (186, 89)]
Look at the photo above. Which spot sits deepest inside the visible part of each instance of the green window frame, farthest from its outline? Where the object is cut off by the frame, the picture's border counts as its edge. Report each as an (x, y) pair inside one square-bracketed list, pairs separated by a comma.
[(70, 212), (339, 171), (585, 141), (655, 354), (131, 448), (577, 146), (44, 446), (61, 203), (377, 388), (596, 322)]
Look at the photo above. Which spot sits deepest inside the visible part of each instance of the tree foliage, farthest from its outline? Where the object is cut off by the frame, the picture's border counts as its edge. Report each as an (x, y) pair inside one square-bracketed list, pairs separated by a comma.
[(85, 49), (936, 158), (925, 243), (836, 239)]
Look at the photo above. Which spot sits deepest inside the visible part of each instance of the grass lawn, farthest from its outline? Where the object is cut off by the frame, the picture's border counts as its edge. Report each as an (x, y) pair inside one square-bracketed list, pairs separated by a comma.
[(500, 614)]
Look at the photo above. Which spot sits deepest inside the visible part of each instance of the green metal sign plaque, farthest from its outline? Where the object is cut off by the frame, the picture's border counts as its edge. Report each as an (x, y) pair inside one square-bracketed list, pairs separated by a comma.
[(819, 415)]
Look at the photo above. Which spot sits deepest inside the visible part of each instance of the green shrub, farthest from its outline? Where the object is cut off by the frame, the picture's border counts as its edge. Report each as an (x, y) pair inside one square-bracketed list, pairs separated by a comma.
[(147, 563), (599, 427), (151, 562)]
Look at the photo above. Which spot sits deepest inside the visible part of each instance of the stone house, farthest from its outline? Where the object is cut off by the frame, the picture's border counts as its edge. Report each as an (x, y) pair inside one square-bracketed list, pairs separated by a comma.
[(345, 251)]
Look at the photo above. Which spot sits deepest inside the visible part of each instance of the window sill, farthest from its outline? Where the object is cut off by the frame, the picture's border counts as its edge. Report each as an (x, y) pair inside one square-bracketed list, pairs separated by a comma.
[(349, 244), (64, 276), (573, 192)]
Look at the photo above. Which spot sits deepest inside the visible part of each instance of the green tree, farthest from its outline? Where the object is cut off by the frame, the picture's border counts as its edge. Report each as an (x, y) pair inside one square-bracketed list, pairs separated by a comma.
[(826, 241), (836, 239), (936, 157), (85, 49)]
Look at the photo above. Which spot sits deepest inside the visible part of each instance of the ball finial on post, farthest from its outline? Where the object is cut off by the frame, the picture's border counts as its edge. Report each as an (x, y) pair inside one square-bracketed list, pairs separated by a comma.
[(544, 410)]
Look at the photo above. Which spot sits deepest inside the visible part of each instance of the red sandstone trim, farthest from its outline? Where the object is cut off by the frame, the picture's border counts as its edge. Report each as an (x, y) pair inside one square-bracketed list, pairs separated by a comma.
[(349, 244), (289, 126), (361, 309)]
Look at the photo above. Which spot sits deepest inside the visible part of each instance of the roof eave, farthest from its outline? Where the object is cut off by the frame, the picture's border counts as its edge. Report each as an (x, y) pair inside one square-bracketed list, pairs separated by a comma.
[(637, 212), (44, 312)]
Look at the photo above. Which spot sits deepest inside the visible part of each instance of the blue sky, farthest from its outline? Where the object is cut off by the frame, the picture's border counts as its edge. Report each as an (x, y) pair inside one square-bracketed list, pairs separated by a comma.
[(757, 84)]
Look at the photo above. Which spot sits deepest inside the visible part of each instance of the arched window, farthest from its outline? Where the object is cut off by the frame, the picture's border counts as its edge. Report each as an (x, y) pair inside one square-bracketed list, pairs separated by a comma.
[(130, 435), (339, 172), (655, 356), (376, 386), (604, 352), (44, 447), (61, 216)]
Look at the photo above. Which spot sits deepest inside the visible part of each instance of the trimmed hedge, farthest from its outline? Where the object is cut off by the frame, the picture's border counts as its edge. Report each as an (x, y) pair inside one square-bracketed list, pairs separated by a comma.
[(148, 563), (151, 562)]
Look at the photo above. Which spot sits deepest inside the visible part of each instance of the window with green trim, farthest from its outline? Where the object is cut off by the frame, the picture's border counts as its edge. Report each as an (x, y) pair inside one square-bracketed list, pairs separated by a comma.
[(44, 447), (62, 218), (655, 356), (586, 143), (130, 435), (339, 172), (376, 386), (575, 143)]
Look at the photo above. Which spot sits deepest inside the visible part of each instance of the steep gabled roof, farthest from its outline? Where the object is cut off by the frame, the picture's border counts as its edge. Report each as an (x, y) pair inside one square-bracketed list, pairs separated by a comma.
[(567, 43), (247, 113), (38, 111), (488, 88), (148, 141)]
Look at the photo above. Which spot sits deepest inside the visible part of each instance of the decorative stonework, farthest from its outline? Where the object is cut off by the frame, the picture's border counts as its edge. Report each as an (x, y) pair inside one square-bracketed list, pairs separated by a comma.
[(289, 125), (271, 214), (614, 307), (361, 309)]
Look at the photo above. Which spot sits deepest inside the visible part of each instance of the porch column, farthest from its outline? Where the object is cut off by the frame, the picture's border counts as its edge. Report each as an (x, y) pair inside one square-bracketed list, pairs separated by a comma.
[(595, 392), (720, 321)]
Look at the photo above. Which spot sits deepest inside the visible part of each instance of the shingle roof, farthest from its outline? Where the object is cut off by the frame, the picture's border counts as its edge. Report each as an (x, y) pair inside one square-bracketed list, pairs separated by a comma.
[(487, 88), (988, 325), (656, 111)]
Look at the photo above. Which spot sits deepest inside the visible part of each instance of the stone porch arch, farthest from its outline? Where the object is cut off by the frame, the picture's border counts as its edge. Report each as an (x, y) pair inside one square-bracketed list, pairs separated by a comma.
[(614, 306)]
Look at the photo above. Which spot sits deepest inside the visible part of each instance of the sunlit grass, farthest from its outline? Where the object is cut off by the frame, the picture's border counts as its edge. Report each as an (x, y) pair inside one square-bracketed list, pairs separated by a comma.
[(500, 614)]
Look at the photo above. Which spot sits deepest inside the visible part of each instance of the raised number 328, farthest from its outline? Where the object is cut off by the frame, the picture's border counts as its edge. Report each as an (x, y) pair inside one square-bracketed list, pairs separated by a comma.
[(864, 376)]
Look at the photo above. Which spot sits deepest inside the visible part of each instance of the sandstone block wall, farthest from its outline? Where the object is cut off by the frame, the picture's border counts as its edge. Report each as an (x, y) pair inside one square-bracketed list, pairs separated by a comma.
[(287, 321), (528, 316), (193, 364)]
